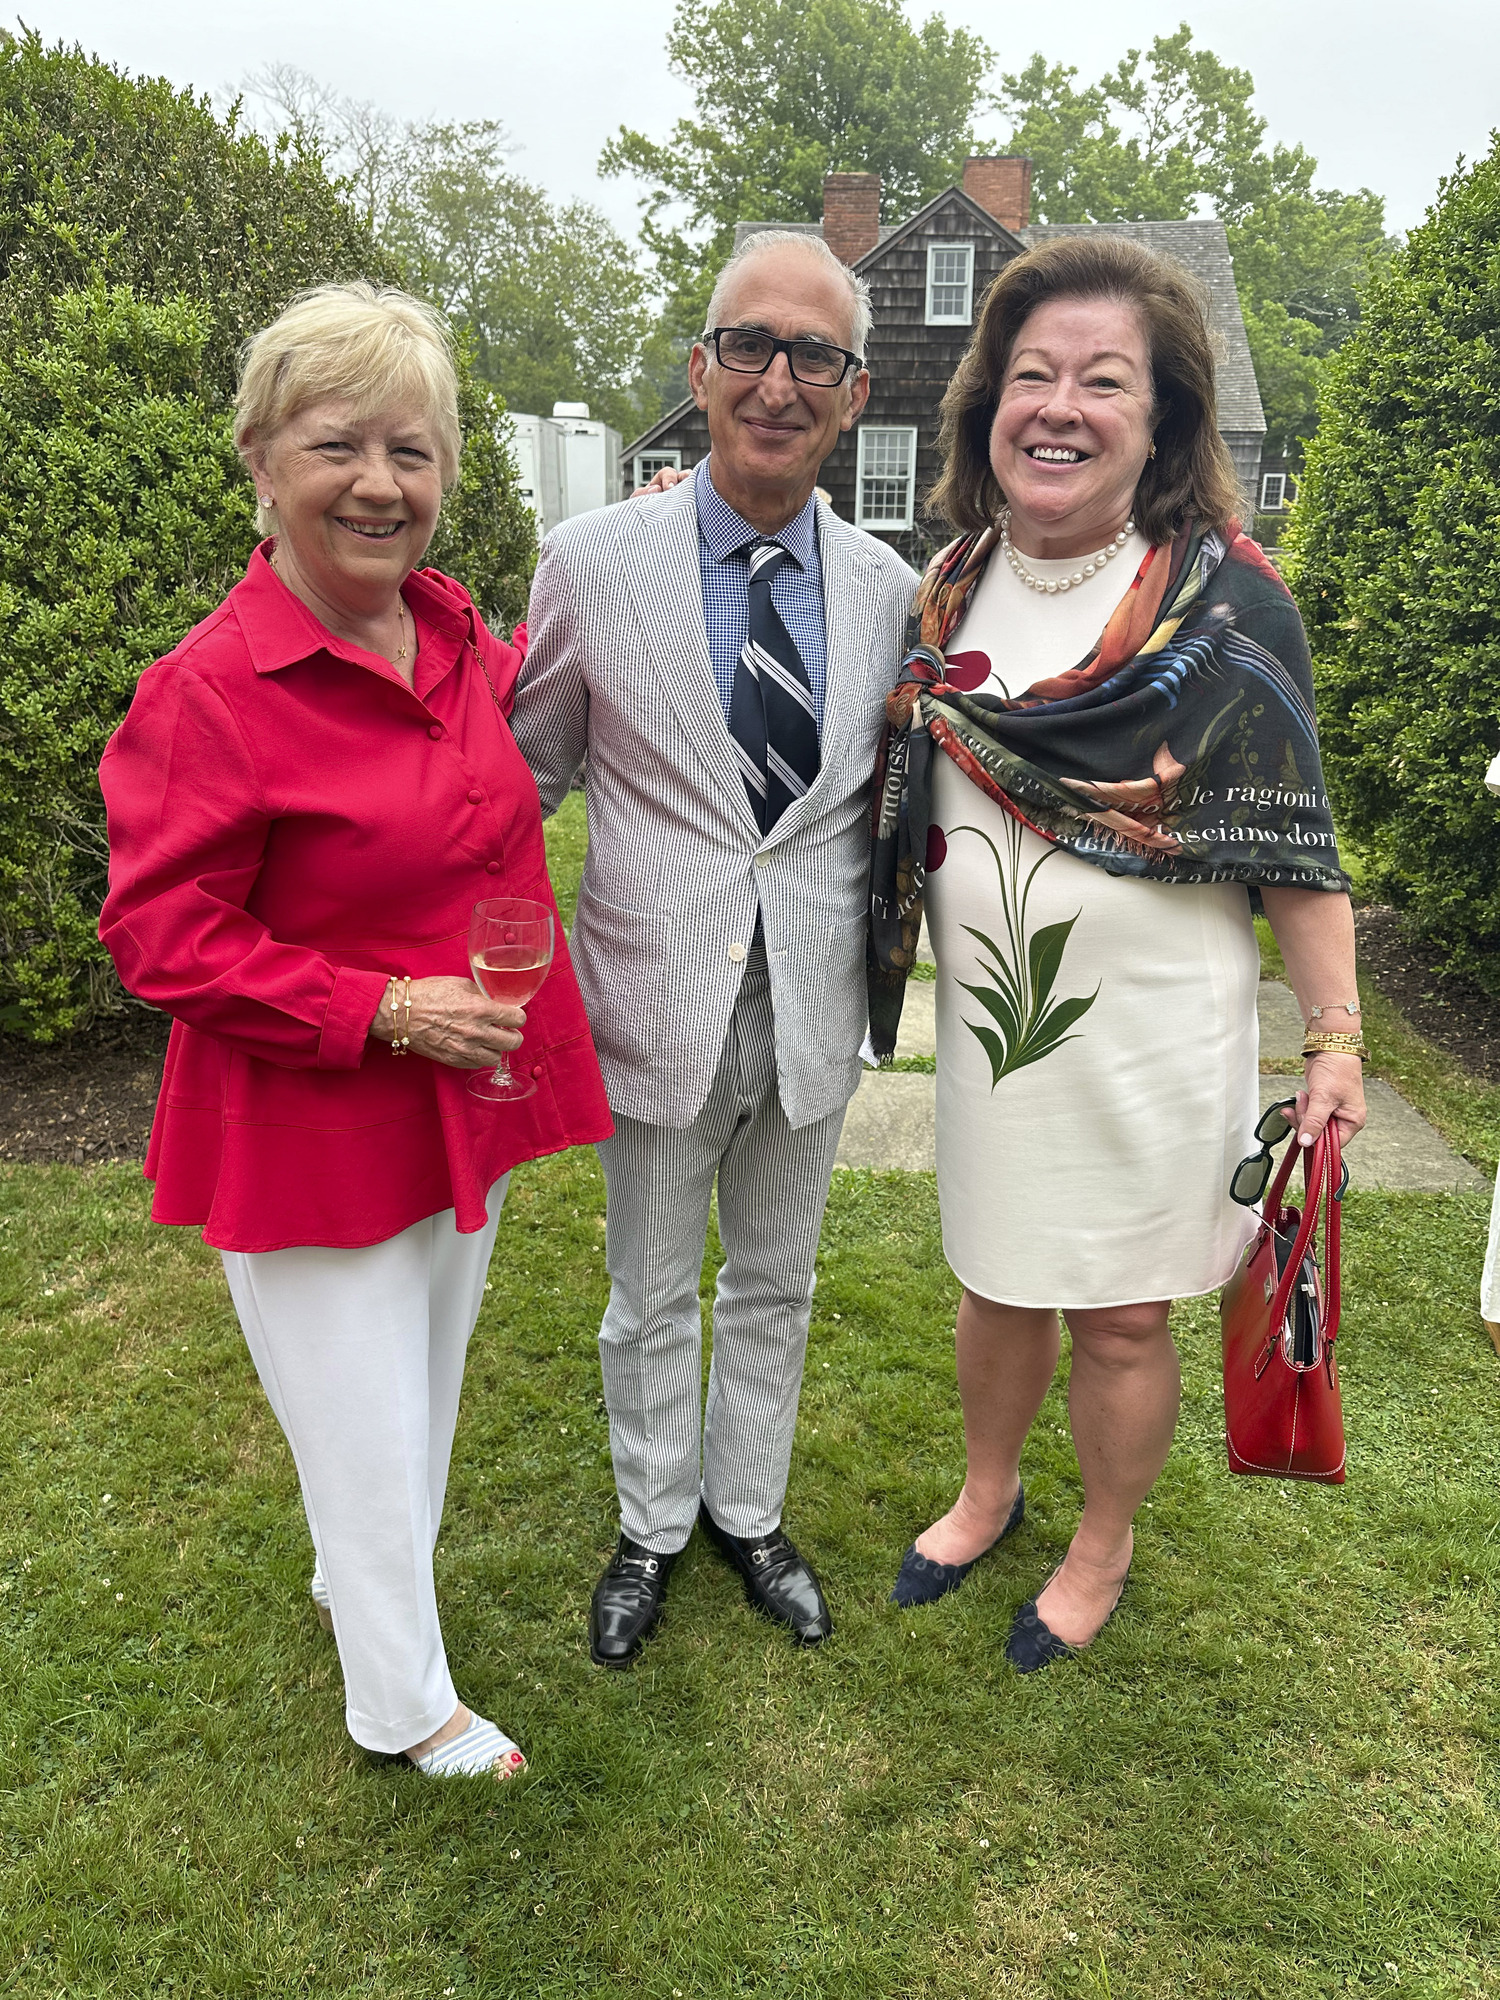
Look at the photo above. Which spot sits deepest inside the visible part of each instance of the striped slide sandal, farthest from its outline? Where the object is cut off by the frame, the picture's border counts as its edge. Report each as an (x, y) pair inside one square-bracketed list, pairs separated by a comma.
[(317, 1590), (480, 1751)]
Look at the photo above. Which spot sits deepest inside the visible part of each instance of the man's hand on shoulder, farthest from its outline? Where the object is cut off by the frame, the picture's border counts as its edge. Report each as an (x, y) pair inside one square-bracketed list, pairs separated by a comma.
[(661, 481)]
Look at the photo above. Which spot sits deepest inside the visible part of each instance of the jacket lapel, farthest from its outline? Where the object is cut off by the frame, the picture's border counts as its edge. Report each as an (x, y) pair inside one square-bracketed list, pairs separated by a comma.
[(665, 581), (849, 624)]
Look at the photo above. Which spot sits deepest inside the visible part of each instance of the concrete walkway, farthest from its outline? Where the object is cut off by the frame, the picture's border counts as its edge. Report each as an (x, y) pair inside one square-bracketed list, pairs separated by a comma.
[(890, 1123)]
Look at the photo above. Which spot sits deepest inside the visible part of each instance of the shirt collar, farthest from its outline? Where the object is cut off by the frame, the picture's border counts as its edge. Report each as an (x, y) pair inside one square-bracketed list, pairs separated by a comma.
[(725, 531), (280, 630)]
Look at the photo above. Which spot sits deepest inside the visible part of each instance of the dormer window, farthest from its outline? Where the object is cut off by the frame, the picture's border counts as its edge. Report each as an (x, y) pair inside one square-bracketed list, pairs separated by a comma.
[(950, 284)]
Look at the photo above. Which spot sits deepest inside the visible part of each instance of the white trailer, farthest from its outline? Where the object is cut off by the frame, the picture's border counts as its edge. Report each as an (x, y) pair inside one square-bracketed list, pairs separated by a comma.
[(592, 454), (539, 456)]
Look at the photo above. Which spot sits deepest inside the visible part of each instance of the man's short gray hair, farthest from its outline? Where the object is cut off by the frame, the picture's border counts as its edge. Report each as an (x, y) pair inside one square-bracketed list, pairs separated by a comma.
[(813, 245)]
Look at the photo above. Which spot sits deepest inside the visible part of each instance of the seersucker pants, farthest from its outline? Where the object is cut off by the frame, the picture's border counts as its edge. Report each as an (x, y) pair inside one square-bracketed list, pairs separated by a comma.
[(361, 1355), (773, 1186)]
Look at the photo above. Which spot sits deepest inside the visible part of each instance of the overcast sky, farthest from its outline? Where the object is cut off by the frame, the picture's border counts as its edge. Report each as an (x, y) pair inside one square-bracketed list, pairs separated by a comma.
[(1384, 96)]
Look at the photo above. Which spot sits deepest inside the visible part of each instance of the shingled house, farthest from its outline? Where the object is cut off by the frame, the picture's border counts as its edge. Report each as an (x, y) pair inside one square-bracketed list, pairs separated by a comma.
[(927, 277)]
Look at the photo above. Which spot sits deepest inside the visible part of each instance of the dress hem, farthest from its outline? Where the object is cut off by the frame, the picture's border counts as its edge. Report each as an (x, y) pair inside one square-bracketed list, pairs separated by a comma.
[(1194, 1291)]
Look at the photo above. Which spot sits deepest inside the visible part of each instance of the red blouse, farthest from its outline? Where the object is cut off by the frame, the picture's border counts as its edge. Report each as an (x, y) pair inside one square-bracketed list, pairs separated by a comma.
[(289, 824)]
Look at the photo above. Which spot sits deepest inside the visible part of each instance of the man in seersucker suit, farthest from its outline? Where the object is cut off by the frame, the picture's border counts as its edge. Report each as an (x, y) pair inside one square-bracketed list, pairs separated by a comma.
[(721, 653)]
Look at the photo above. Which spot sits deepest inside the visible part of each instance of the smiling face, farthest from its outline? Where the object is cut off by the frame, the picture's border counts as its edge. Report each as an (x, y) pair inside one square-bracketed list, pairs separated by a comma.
[(1072, 430), (770, 433), (356, 498)]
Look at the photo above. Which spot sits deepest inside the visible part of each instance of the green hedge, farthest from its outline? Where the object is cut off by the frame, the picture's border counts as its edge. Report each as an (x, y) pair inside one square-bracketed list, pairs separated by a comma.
[(126, 516), (141, 240), (1394, 555)]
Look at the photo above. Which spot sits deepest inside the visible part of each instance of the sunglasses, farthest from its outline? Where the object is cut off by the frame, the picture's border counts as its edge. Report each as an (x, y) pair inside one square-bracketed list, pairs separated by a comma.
[(1253, 1174)]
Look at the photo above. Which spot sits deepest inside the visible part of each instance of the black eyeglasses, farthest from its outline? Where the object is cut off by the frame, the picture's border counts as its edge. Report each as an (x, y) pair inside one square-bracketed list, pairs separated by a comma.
[(749, 352), (1253, 1174)]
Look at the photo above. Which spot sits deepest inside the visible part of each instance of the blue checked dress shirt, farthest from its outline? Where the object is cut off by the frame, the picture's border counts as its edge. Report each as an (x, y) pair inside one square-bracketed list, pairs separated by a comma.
[(724, 540)]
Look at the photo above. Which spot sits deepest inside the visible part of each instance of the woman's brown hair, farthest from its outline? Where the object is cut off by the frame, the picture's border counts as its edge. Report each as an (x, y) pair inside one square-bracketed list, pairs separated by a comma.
[(1192, 475)]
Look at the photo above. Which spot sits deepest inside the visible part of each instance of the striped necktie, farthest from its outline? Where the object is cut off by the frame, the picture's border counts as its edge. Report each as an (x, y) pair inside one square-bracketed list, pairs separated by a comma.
[(772, 722)]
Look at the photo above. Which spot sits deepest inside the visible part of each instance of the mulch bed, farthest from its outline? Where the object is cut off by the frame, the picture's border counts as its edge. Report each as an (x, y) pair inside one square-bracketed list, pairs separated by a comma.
[(1460, 1017), (87, 1098), (91, 1097)]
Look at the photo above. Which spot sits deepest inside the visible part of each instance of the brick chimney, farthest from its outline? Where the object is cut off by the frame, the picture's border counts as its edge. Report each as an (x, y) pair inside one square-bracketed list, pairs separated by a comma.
[(851, 214), (1001, 184)]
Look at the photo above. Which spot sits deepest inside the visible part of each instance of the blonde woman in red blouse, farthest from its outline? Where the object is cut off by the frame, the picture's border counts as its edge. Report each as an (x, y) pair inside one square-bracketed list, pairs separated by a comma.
[(307, 798)]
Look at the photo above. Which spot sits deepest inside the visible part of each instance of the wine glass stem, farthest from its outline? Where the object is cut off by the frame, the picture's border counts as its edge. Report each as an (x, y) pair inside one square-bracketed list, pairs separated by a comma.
[(502, 1078)]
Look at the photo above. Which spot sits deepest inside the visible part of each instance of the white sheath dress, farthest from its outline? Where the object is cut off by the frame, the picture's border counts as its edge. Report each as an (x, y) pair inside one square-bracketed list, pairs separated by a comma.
[(1095, 1171)]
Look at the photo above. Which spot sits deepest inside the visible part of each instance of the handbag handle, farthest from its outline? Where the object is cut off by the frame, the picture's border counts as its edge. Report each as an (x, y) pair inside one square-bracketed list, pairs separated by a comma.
[(1333, 1210), (1322, 1171)]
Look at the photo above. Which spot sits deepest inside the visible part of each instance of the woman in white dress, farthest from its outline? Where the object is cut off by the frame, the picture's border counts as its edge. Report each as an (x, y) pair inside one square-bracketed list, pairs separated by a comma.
[(1103, 739)]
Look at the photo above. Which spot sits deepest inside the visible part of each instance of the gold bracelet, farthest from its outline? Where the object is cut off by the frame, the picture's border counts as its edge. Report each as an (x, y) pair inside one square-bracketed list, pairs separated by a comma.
[(400, 1043), (1336, 1045), (1332, 1007)]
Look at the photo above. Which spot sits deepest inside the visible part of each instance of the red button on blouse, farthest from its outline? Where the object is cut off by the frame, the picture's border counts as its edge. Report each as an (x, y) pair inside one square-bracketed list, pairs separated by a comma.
[(279, 845)]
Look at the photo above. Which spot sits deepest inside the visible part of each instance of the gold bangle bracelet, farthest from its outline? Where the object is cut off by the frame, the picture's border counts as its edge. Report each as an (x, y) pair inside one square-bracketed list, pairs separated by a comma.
[(1336, 1045)]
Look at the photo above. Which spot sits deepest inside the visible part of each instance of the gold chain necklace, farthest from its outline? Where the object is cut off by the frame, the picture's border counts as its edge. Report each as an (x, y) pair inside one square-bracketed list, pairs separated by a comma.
[(400, 608)]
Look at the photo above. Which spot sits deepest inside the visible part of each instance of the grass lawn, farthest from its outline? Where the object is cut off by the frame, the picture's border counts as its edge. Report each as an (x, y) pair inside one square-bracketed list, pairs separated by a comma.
[(1273, 1776)]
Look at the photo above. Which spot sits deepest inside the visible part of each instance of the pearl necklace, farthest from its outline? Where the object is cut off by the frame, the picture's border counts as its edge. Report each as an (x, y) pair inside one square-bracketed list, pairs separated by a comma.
[(1092, 567)]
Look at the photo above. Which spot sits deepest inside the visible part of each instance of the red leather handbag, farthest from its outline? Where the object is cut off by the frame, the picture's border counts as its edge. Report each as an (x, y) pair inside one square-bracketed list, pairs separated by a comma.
[(1282, 1412)]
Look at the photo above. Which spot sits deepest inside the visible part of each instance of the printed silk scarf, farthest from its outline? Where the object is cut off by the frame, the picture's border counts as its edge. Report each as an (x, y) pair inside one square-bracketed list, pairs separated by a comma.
[(1182, 749)]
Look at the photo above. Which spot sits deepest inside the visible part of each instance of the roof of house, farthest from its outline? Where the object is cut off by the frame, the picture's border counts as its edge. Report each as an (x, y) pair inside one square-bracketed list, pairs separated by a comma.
[(1201, 245), (1204, 248)]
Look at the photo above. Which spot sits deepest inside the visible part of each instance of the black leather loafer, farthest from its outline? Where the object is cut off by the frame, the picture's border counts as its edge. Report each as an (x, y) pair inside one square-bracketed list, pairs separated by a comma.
[(627, 1603), (779, 1583)]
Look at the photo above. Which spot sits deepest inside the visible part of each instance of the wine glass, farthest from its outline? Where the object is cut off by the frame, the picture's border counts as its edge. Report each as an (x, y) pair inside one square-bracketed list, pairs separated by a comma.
[(510, 950)]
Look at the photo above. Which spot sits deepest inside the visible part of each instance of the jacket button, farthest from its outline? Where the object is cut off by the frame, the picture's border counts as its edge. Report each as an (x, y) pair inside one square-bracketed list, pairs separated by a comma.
[(536, 1069), (476, 798), (435, 731), (492, 867), (736, 952)]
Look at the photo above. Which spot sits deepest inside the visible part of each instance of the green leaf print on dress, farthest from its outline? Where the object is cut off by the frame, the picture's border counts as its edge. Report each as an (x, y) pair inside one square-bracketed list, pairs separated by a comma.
[(1029, 1023)]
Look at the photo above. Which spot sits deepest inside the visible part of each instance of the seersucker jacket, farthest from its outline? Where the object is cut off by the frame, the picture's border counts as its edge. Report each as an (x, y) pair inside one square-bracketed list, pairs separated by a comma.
[(619, 671)]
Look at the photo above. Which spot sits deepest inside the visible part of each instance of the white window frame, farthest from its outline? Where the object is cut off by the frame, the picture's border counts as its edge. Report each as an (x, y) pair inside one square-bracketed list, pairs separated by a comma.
[(1268, 480), (672, 458), (865, 433), (964, 318)]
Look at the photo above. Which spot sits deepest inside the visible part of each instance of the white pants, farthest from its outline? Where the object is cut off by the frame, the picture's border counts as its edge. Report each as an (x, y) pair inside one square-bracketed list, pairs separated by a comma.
[(361, 1353), (1489, 1285)]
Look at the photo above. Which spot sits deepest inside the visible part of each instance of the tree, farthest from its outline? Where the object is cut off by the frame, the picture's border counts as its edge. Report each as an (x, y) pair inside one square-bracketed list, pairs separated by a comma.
[(787, 91), (1302, 257), (551, 297), (361, 146), (141, 240), (1394, 561), (1139, 145), (1175, 134)]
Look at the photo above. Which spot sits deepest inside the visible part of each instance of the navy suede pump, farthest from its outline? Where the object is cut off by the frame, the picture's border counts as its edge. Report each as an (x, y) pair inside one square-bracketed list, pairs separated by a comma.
[(923, 1581), (1033, 1644)]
